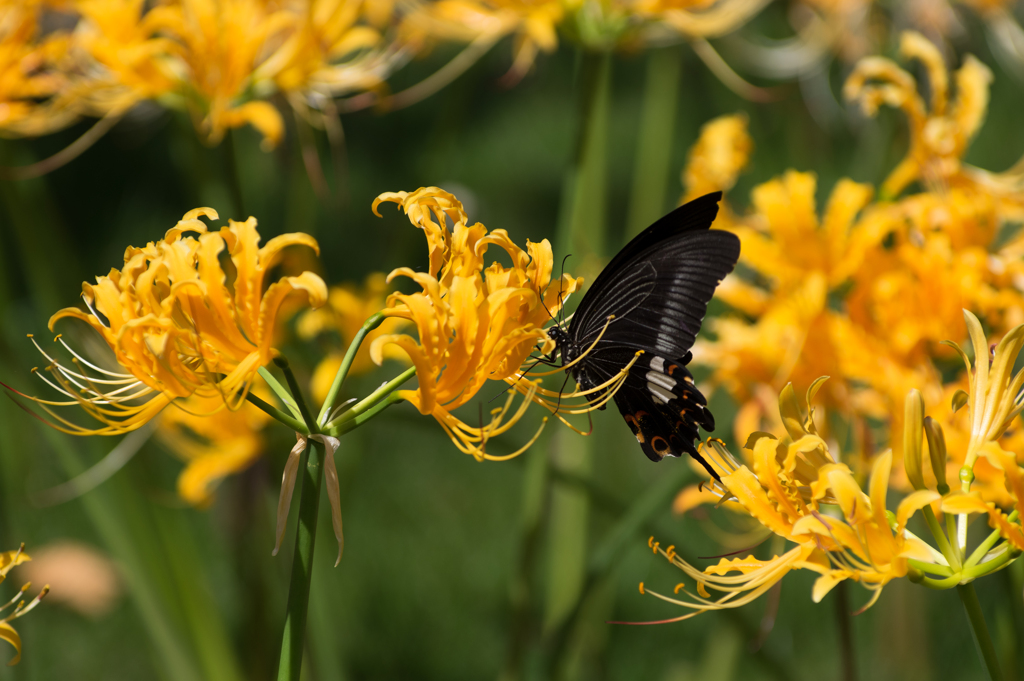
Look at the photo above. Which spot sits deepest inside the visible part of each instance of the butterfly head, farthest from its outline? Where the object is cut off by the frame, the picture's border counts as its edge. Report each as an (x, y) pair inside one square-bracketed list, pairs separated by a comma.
[(563, 343)]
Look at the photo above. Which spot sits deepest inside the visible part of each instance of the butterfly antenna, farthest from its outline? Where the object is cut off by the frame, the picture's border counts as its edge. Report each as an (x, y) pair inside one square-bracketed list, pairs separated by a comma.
[(561, 291)]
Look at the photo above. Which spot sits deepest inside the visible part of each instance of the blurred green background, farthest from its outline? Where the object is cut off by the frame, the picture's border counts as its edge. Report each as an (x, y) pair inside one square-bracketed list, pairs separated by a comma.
[(453, 569)]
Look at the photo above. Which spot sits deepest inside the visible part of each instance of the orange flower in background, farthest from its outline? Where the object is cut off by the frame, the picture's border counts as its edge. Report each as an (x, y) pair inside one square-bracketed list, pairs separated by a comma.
[(219, 60), (214, 442), (475, 322), (179, 323), (27, 73)]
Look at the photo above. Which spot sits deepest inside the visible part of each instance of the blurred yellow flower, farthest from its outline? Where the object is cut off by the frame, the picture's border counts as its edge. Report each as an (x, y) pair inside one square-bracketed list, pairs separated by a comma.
[(213, 441), (8, 561), (347, 308), (864, 294), (798, 261), (220, 60), (484, 22), (180, 323), (475, 323), (720, 154), (118, 57), (939, 133), (27, 73)]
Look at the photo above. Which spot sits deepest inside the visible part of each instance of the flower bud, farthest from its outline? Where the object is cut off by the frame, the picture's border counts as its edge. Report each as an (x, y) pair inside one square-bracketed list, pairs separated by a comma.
[(937, 452), (913, 415)]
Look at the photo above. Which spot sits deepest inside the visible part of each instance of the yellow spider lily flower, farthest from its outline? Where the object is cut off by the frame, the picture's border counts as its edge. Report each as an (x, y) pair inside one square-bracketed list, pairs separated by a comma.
[(347, 308), (213, 441), (475, 322), (796, 489), (8, 561), (179, 323)]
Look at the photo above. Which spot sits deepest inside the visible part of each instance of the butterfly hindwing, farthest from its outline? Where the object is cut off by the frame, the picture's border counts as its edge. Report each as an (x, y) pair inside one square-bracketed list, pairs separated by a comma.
[(658, 401)]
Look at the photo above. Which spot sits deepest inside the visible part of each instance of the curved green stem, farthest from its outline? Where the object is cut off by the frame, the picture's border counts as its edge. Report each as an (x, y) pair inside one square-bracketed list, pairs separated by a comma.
[(369, 325), (290, 666), (277, 414), (952, 557), (369, 401), (942, 584), (984, 546), (986, 650), (353, 423), (997, 562), (282, 393), (931, 568)]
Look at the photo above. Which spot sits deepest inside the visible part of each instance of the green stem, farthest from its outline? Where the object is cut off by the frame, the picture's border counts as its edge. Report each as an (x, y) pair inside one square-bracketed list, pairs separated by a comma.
[(951, 532), (369, 401), (369, 325), (984, 546), (581, 231), (277, 414), (294, 634), (281, 392), (987, 651), (351, 424), (931, 568), (290, 666), (652, 166), (849, 667), (998, 562), (940, 539), (942, 584)]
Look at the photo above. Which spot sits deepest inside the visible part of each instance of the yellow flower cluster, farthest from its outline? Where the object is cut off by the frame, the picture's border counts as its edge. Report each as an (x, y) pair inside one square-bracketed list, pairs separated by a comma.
[(866, 293), (219, 60), (475, 323), (181, 322), (796, 489), (791, 486)]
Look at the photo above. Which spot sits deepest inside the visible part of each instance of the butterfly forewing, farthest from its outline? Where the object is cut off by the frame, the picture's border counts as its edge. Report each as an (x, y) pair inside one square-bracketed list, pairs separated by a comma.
[(664, 295)]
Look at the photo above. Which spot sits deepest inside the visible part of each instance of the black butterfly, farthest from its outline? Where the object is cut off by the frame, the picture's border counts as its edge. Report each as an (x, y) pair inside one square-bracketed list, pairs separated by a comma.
[(657, 288)]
